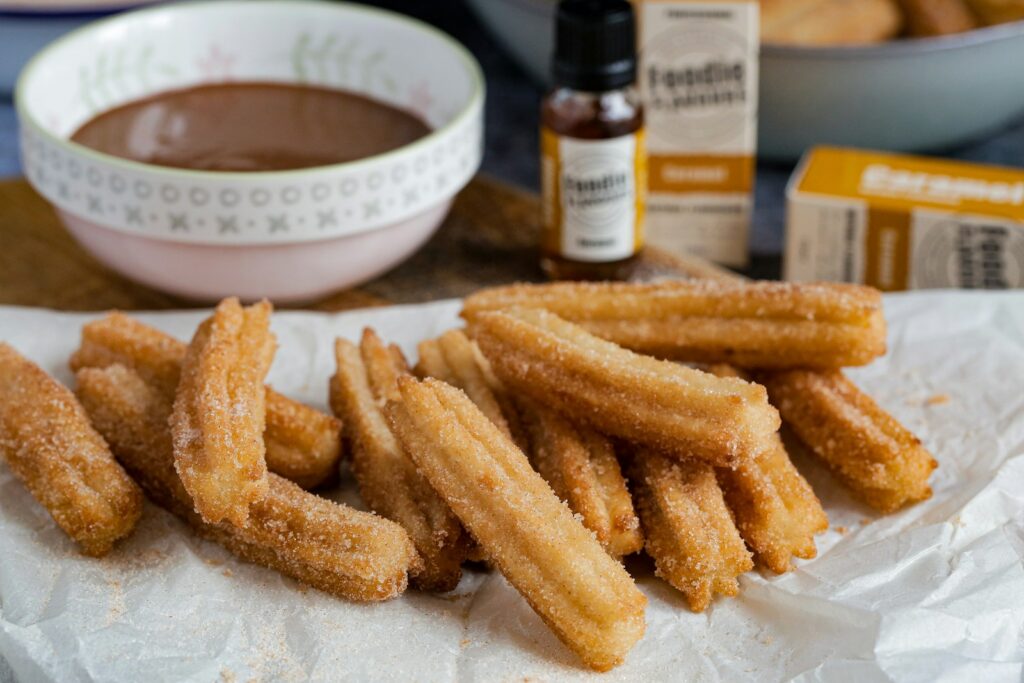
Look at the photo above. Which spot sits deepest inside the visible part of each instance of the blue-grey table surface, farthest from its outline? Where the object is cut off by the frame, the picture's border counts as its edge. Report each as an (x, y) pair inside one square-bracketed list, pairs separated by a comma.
[(512, 141)]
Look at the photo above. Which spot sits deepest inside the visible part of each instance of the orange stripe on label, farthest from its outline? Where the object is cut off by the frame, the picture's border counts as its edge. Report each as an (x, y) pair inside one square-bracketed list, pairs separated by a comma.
[(701, 173)]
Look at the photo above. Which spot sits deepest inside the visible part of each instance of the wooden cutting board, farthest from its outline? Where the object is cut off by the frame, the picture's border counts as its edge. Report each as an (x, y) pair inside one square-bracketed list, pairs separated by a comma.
[(489, 238)]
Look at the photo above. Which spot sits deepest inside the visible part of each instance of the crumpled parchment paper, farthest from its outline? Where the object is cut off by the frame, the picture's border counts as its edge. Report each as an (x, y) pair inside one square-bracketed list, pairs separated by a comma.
[(932, 593)]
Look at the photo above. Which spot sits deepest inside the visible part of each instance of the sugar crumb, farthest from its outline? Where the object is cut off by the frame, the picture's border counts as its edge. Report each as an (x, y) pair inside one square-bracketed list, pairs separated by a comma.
[(937, 400)]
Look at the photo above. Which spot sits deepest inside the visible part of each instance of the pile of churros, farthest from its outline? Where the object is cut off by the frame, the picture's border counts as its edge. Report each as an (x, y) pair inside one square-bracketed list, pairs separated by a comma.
[(565, 427)]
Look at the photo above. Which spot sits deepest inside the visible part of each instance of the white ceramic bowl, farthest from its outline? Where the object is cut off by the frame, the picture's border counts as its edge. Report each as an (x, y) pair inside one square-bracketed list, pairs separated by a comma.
[(290, 235), (906, 95)]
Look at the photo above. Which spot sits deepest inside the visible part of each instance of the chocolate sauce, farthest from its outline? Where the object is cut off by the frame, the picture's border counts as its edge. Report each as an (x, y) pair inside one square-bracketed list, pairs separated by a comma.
[(250, 127)]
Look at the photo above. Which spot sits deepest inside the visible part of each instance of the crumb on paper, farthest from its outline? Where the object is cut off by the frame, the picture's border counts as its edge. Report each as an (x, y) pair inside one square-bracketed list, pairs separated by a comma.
[(118, 606), (464, 642), (147, 559), (213, 562), (865, 521), (227, 572), (841, 530), (937, 400)]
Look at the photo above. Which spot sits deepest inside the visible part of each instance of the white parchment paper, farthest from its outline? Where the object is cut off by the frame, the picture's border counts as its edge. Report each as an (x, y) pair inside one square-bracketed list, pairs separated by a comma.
[(933, 593)]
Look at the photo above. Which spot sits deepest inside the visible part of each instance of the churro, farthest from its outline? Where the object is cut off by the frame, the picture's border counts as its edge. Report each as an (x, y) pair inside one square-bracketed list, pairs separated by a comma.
[(758, 324), (388, 481), (867, 448), (47, 441), (432, 362), (998, 11), (332, 547), (937, 17), (220, 412), (722, 420), (690, 534), (580, 466), (774, 507), (454, 358), (302, 444), (584, 595), (829, 22)]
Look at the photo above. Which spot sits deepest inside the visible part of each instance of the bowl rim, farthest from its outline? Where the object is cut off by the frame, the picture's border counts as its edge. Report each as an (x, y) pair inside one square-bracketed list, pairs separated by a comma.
[(474, 103), (985, 35)]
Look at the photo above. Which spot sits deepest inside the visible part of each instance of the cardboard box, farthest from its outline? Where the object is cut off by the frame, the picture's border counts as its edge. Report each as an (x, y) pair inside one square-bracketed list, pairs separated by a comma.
[(698, 78), (901, 222)]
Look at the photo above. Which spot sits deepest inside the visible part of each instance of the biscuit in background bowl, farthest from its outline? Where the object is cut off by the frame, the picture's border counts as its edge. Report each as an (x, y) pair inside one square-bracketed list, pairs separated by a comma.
[(938, 17), (998, 11), (829, 22)]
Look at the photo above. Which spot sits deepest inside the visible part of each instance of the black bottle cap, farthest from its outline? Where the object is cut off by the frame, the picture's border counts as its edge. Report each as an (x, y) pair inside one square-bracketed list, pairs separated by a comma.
[(595, 45)]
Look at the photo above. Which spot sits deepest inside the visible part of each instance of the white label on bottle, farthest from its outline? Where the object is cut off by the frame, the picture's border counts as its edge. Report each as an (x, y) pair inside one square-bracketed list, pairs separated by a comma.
[(597, 189)]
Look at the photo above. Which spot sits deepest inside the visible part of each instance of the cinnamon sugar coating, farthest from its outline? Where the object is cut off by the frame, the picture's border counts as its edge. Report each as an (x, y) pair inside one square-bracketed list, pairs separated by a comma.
[(220, 412), (302, 443), (580, 592), (48, 443), (669, 407), (877, 458), (332, 547), (752, 324), (366, 378)]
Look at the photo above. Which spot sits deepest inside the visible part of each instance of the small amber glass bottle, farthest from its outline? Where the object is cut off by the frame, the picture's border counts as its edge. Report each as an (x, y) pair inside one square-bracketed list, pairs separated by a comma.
[(593, 162)]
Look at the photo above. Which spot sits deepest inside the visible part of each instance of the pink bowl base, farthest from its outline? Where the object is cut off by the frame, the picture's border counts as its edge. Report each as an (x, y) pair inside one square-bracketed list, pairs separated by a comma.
[(284, 273)]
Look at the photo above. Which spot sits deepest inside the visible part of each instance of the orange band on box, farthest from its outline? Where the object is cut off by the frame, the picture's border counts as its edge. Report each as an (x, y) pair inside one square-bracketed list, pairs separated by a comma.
[(700, 173)]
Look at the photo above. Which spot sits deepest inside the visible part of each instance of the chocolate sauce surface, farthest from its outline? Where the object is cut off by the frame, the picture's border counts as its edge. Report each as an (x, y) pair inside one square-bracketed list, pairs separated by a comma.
[(250, 127)]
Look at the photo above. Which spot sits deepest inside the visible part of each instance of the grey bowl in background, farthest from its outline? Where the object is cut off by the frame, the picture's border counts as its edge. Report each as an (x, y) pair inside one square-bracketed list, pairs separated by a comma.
[(906, 95)]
